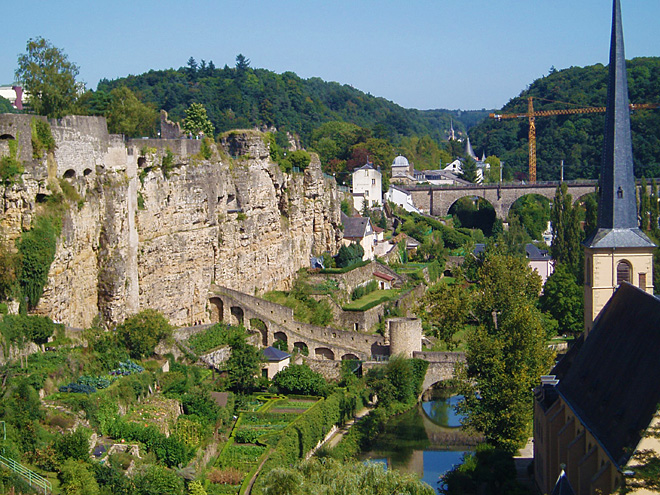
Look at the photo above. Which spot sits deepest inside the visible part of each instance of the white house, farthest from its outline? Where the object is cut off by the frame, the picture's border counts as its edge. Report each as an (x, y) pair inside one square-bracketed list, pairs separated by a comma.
[(14, 94), (402, 198), (367, 187)]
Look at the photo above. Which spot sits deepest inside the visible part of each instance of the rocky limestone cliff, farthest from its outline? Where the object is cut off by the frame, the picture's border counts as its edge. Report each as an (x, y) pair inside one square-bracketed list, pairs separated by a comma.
[(235, 220)]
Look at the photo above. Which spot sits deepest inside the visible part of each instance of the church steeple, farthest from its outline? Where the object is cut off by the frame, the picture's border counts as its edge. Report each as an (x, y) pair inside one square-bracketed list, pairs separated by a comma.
[(618, 251), (617, 209)]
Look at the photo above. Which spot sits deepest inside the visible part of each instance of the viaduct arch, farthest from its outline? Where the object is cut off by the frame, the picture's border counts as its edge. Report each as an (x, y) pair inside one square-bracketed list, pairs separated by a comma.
[(436, 200), (276, 322)]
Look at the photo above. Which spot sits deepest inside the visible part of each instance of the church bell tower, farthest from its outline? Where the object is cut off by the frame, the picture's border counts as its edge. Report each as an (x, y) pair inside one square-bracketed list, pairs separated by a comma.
[(618, 251)]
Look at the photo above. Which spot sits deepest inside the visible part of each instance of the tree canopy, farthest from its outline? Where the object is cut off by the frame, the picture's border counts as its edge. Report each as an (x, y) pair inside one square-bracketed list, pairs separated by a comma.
[(48, 77)]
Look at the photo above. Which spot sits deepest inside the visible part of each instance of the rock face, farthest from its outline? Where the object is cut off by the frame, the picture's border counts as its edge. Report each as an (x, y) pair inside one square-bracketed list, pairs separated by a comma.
[(153, 236)]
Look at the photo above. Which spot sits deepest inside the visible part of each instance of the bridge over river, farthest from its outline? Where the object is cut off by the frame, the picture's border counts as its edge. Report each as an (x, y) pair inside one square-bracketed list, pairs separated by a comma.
[(323, 344)]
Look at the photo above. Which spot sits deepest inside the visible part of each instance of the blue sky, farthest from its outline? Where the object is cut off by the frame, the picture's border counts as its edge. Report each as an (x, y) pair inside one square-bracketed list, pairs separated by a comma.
[(467, 54)]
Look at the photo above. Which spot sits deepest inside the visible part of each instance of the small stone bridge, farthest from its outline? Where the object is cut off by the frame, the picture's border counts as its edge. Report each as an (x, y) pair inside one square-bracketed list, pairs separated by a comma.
[(276, 322), (437, 200)]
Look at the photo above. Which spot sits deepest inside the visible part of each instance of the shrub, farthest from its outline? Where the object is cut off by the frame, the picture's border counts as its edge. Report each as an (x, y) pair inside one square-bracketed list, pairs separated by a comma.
[(42, 138), (247, 436), (37, 249), (19, 328), (141, 333), (73, 445), (300, 379)]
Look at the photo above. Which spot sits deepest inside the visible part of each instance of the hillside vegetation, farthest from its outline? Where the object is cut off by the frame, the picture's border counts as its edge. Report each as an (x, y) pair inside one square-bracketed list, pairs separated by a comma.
[(243, 97), (576, 139)]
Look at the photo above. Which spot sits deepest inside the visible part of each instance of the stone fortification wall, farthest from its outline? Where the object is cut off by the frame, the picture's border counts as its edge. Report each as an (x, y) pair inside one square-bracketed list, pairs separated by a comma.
[(239, 222), (279, 318), (179, 147)]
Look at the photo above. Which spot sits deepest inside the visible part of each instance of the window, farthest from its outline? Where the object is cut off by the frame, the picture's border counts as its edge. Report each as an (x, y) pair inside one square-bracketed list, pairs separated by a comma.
[(587, 272), (642, 281), (623, 272), (373, 182)]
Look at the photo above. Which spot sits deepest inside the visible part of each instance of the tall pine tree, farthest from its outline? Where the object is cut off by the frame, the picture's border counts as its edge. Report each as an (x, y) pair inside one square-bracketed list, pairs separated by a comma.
[(566, 232)]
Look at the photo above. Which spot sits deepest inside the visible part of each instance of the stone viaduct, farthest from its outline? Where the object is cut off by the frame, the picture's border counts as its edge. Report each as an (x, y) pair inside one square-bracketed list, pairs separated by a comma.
[(437, 200), (276, 322)]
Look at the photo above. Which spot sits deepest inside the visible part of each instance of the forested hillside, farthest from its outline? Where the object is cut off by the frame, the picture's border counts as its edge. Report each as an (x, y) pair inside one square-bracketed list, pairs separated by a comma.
[(576, 139), (243, 97)]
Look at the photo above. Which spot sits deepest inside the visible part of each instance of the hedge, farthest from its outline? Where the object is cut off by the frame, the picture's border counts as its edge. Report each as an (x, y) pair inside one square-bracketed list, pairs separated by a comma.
[(346, 269)]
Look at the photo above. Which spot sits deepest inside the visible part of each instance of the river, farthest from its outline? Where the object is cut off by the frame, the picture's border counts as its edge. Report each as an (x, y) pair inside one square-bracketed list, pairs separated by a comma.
[(426, 440)]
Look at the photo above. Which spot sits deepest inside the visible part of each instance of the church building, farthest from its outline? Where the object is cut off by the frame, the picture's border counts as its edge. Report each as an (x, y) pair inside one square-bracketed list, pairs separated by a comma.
[(591, 413)]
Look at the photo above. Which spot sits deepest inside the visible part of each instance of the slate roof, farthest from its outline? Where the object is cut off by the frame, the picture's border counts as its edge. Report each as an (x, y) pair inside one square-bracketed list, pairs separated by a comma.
[(611, 379), (535, 254), (274, 355), (355, 227)]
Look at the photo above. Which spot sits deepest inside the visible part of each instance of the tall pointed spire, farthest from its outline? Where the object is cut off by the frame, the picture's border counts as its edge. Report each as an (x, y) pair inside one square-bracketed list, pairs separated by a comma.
[(617, 208)]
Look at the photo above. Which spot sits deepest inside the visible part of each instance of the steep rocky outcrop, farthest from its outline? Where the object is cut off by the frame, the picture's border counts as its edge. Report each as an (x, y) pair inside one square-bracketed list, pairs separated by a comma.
[(148, 238)]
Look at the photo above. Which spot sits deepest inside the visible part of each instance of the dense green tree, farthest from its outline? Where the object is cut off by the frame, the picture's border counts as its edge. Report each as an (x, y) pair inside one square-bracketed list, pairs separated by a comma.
[(445, 309), (300, 379), (534, 214), (349, 255), (505, 354), (469, 170), (77, 478), (129, 116), (332, 477), (566, 232), (141, 333), (157, 480), (591, 214), (563, 298), (196, 121), (655, 208), (48, 77), (5, 106), (243, 366), (644, 207), (73, 445)]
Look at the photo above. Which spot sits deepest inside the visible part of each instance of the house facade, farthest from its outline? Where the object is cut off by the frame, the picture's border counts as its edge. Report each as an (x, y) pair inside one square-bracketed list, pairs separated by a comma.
[(367, 187)]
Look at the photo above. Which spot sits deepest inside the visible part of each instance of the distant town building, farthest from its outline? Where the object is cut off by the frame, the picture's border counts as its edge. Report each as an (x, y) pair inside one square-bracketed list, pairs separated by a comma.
[(14, 94), (367, 187)]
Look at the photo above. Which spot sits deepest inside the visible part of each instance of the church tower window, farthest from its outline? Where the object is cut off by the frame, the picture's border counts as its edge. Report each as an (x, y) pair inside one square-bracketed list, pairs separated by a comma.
[(623, 272)]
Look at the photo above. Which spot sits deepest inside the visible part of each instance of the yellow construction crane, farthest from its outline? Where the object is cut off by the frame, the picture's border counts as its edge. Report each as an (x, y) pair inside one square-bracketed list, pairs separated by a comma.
[(531, 115)]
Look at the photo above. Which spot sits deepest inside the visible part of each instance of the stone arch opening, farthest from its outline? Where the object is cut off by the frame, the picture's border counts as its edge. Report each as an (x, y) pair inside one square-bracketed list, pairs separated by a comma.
[(379, 352), (237, 314), (349, 357), (533, 212), (217, 309), (142, 161), (4, 144), (324, 353), (6, 137), (623, 272), (301, 347), (262, 328), (474, 212), (87, 172), (280, 336), (70, 174)]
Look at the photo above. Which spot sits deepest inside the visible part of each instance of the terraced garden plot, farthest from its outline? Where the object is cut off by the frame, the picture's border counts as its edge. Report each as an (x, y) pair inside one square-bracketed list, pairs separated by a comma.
[(293, 406)]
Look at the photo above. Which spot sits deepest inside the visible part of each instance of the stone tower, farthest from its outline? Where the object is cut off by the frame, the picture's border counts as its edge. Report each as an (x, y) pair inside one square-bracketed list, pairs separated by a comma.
[(619, 251)]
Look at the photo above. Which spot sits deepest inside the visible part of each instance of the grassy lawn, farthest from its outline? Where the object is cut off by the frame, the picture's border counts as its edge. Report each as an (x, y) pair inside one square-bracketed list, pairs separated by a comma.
[(364, 302)]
